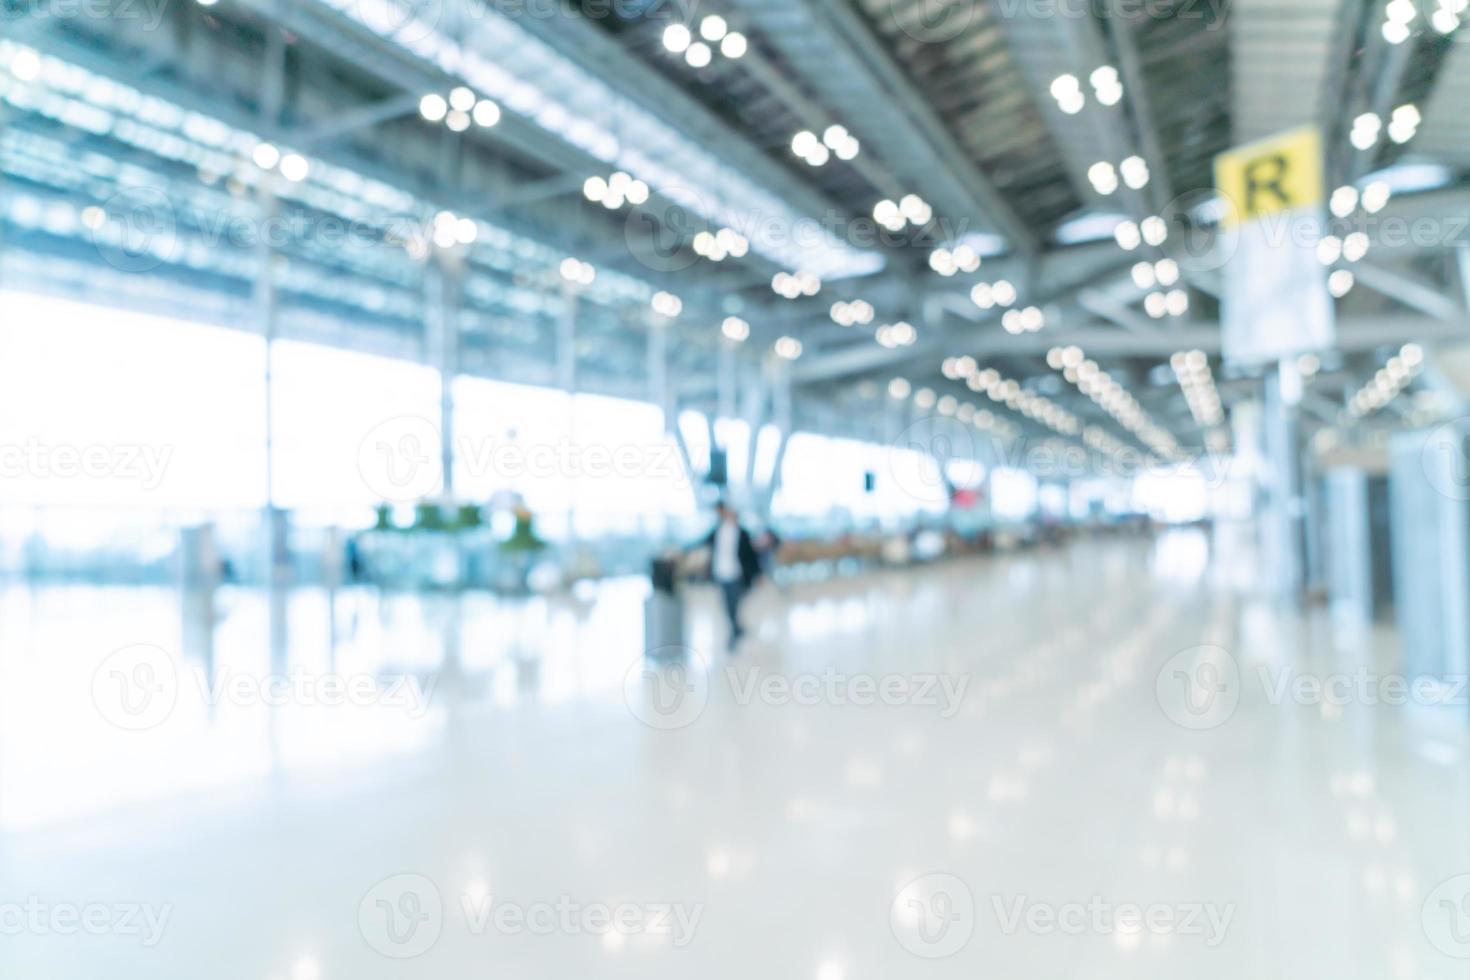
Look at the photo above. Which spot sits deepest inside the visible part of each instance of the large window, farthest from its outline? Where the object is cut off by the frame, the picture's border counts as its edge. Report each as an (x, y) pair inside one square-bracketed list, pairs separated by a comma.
[(109, 408)]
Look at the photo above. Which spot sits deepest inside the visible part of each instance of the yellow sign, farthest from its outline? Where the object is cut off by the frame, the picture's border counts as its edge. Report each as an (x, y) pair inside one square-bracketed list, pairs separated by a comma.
[(1280, 173)]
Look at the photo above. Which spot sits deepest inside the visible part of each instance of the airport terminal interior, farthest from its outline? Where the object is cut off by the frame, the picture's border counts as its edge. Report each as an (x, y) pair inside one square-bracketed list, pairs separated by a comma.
[(817, 489)]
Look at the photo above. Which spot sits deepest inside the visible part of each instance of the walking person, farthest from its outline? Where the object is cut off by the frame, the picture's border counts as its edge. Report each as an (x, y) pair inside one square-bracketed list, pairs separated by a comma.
[(734, 565)]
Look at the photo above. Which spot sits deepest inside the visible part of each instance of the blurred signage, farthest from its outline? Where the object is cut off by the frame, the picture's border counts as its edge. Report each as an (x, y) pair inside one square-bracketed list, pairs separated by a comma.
[(1275, 303)]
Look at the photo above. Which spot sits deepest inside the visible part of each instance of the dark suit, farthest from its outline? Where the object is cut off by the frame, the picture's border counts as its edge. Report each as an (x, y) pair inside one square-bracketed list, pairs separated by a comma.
[(750, 571)]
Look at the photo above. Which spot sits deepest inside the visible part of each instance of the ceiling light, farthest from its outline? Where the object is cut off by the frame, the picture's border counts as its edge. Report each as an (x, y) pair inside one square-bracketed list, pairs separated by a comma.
[(457, 121), (1004, 293), (713, 27), (266, 156), (698, 55), (1344, 201), (1340, 283), (1376, 196), (1064, 85), (433, 107), (462, 99), (735, 329), (294, 167), (487, 114), (788, 348), (734, 45), (677, 38), (1135, 172), (1155, 230), (1166, 271), (1144, 276), (1128, 236)]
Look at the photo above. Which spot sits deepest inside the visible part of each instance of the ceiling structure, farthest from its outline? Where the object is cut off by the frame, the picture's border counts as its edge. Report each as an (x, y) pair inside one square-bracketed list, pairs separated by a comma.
[(130, 157)]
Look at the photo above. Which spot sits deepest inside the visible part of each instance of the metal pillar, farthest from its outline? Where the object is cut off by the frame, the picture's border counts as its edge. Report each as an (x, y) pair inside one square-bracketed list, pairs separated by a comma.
[(1283, 510), (442, 277)]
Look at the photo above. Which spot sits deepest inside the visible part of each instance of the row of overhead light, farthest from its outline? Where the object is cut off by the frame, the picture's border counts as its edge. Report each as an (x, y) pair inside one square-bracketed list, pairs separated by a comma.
[(1399, 15), (1403, 126), (578, 272), (1152, 230), (1112, 398), (1391, 379), (788, 348), (1159, 304), (737, 331), (1198, 381), (1193, 371), (1106, 87), (896, 335), (725, 243), (836, 140), (1147, 275), (1341, 282), (1104, 176), (858, 313), (461, 109), (794, 285), (293, 166), (714, 32), (947, 262), (911, 209), (450, 230), (988, 295), (1352, 248), (667, 304), (899, 389), (1029, 320), (1038, 408), (615, 191), (1373, 198)]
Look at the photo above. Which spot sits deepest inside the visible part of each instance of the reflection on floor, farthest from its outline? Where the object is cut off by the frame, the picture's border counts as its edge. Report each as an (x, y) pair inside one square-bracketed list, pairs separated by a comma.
[(970, 770)]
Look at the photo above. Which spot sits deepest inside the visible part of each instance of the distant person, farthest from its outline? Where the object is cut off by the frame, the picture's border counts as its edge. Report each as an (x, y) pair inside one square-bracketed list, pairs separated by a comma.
[(734, 565)]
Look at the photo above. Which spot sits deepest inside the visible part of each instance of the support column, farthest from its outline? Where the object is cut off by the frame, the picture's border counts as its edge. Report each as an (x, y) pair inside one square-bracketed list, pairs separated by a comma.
[(566, 380), (1283, 510), (442, 278)]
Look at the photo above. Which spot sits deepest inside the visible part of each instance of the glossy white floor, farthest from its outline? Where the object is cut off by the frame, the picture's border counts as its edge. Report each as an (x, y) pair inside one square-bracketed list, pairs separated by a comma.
[(984, 769)]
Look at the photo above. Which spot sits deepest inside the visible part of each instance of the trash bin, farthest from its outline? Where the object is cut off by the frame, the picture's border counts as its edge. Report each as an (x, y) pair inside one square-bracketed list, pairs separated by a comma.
[(663, 615)]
